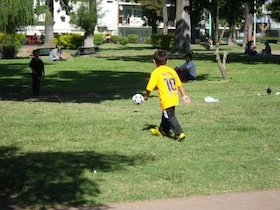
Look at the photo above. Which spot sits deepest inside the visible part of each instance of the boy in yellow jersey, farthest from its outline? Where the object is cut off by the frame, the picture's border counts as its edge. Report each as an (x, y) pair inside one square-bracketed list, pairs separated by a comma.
[(168, 84)]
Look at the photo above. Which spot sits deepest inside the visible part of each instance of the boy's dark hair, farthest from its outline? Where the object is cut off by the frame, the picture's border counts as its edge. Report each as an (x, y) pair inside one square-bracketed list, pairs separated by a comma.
[(36, 51), (189, 55), (160, 57)]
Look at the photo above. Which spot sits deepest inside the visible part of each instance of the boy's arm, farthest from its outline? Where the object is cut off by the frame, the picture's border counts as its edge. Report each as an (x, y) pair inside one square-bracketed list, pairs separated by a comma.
[(181, 66), (186, 99), (190, 65), (32, 69), (43, 67)]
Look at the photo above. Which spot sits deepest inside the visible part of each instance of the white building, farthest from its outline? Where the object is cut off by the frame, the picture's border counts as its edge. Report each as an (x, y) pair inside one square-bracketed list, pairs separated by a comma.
[(117, 17), (113, 14)]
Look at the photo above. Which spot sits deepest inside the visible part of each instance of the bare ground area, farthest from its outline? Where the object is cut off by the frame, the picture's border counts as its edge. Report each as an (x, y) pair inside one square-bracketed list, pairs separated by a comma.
[(26, 51)]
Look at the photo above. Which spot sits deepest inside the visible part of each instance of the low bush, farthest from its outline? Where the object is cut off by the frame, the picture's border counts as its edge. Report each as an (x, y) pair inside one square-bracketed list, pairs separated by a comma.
[(162, 41), (133, 38), (64, 40), (269, 39), (98, 39), (10, 45), (147, 40), (70, 41), (114, 39), (123, 40)]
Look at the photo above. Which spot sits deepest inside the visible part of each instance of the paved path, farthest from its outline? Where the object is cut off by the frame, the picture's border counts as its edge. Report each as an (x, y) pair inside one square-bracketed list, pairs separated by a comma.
[(260, 200)]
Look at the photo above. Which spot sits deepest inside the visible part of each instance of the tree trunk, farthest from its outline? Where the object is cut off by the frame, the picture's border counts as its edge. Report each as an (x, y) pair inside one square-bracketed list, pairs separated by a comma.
[(49, 24), (221, 65), (89, 39), (263, 28), (165, 18), (183, 27), (154, 27), (248, 26), (49, 35), (232, 36)]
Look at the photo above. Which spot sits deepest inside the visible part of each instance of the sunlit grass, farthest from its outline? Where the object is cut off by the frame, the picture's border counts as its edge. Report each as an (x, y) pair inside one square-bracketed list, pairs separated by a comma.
[(84, 142)]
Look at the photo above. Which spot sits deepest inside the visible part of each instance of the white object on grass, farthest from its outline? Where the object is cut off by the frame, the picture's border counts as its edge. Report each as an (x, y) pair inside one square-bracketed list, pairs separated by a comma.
[(210, 99)]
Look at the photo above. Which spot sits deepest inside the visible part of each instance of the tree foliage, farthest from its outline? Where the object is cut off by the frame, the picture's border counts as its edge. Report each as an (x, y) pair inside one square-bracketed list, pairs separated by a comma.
[(15, 14), (86, 18), (152, 9), (274, 10)]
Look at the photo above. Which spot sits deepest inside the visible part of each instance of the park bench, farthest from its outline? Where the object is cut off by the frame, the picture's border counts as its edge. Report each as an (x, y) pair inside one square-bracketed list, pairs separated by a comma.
[(45, 51), (86, 51), (274, 41)]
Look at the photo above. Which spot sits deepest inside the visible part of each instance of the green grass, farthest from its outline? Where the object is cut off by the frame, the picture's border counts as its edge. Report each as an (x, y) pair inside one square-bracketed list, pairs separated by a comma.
[(85, 121)]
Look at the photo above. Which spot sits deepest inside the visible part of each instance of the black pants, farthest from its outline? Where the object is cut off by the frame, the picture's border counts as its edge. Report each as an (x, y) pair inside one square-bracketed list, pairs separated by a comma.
[(169, 121), (185, 75), (36, 85)]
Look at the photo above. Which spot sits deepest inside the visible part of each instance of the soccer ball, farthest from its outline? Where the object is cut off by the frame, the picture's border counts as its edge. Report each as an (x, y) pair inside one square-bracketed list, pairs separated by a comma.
[(137, 98)]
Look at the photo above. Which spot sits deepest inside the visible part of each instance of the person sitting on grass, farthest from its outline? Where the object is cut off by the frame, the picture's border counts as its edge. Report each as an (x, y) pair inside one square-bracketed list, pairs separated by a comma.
[(248, 47), (267, 49), (187, 70), (55, 54)]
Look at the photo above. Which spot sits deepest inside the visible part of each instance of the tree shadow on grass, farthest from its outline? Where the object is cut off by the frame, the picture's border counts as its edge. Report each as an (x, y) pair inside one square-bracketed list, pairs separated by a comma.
[(70, 85), (131, 47), (51, 179), (95, 86), (232, 57)]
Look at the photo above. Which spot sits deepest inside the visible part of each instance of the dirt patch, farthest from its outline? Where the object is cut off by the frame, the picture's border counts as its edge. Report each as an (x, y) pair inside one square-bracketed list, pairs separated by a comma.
[(26, 51)]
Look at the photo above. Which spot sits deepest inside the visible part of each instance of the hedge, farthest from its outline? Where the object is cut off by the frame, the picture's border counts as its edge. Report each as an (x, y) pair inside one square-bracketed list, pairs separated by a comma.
[(165, 42)]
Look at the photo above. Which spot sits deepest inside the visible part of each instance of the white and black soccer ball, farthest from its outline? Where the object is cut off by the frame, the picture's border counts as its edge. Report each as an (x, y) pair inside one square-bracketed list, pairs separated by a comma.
[(137, 98)]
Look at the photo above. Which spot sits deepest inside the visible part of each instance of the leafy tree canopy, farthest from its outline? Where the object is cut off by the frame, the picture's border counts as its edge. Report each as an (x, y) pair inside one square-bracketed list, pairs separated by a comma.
[(85, 16), (152, 9), (274, 10), (15, 14)]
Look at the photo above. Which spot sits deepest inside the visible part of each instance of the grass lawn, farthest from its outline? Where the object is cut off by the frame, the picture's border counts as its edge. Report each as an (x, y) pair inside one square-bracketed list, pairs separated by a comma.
[(84, 142)]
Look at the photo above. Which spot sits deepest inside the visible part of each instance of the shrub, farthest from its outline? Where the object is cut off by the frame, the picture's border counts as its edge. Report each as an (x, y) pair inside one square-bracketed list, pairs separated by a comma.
[(123, 40), (76, 41), (21, 38), (165, 42), (98, 39), (56, 41), (114, 39), (269, 39), (147, 40), (64, 40), (1, 37), (10, 45), (155, 40), (70, 41), (133, 38)]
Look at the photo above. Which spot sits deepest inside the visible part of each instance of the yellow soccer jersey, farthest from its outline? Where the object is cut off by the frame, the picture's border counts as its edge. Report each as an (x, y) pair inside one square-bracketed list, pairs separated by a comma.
[(166, 81)]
